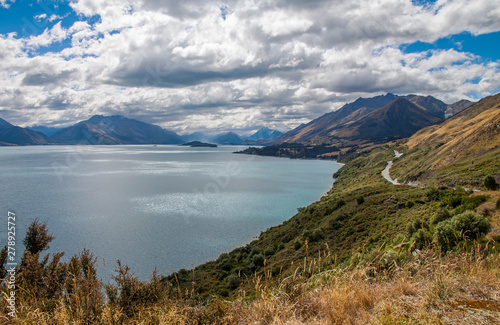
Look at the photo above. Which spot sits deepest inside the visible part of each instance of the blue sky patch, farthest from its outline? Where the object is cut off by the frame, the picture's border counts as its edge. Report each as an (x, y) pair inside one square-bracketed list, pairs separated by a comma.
[(486, 46)]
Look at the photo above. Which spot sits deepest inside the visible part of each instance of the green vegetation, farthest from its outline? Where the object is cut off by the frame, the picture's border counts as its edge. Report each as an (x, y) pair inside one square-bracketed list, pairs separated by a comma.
[(490, 183), (424, 164)]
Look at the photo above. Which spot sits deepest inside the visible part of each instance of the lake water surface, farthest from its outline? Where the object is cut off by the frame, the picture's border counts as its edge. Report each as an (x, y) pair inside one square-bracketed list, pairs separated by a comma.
[(163, 206)]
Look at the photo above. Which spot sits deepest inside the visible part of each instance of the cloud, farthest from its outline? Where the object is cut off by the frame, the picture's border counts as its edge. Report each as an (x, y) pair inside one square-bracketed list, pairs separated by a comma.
[(40, 16), (203, 65), (6, 3), (49, 36), (45, 78)]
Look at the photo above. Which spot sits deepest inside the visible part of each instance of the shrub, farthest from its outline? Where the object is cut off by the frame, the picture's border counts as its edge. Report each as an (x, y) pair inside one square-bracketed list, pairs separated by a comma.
[(3, 261), (467, 225), (335, 224), (417, 224), (297, 244), (445, 235), (410, 204), (232, 282), (314, 235), (470, 203), (222, 292), (421, 239), (360, 200), (340, 203), (440, 216), (270, 250), (434, 195), (258, 260), (37, 238), (83, 296), (471, 225), (453, 201), (498, 204), (490, 183)]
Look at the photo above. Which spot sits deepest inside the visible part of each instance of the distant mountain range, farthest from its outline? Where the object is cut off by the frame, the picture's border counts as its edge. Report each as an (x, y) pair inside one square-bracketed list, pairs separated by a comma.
[(48, 131), (324, 128), (356, 125), (265, 134), (15, 135), (360, 125), (109, 130), (262, 136)]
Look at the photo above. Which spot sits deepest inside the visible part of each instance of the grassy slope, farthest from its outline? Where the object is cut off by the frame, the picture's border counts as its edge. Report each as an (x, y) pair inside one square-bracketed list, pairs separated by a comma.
[(459, 152)]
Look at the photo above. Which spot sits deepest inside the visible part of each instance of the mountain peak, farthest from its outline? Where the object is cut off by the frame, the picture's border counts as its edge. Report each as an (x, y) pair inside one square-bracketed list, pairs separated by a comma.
[(228, 138), (264, 133)]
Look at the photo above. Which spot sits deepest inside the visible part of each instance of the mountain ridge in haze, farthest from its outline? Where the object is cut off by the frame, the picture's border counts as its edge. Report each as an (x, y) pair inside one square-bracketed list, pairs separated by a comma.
[(16, 135), (115, 129)]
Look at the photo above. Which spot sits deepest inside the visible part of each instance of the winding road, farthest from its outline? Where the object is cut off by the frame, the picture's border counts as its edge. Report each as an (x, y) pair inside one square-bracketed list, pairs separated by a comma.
[(385, 172)]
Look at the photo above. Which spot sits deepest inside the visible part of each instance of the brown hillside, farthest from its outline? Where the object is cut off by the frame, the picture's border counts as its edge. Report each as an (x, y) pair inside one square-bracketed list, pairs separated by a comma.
[(474, 130)]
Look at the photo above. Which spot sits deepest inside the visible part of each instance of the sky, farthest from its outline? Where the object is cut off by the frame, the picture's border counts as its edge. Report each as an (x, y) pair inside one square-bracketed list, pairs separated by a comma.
[(211, 66)]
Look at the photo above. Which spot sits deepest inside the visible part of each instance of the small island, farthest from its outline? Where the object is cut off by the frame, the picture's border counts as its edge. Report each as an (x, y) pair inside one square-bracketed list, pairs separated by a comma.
[(199, 144)]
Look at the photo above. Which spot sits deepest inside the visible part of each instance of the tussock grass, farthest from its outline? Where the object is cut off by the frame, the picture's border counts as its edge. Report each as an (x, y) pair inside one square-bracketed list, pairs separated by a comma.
[(424, 288)]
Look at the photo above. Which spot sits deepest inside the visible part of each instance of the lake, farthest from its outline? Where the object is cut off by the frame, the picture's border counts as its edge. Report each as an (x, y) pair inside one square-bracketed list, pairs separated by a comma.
[(153, 206)]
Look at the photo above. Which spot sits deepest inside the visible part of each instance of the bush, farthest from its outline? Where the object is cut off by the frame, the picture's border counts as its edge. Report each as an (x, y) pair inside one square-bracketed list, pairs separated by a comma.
[(498, 204), (314, 235), (270, 250), (421, 239), (434, 195), (335, 224), (410, 204), (470, 203), (37, 238), (232, 282), (417, 224), (445, 235), (467, 225), (297, 244), (258, 260), (490, 183), (360, 200), (471, 225), (454, 201), (440, 216)]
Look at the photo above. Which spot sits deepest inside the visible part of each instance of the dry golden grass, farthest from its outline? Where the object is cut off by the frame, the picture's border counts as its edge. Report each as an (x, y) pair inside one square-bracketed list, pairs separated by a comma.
[(476, 129), (461, 288)]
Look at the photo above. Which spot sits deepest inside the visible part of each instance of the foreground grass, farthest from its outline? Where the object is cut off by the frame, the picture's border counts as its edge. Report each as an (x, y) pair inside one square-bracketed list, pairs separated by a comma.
[(425, 287)]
